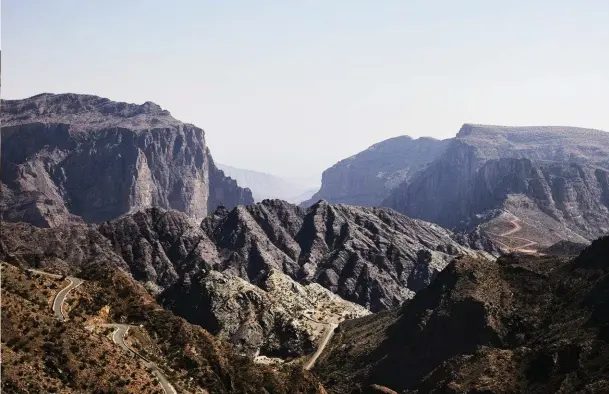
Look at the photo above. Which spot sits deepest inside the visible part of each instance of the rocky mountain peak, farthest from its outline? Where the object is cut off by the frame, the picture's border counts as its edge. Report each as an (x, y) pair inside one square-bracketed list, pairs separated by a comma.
[(52, 144)]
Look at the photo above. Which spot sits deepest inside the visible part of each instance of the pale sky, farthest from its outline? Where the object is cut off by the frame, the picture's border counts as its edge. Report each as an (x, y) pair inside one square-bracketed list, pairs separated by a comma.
[(291, 87)]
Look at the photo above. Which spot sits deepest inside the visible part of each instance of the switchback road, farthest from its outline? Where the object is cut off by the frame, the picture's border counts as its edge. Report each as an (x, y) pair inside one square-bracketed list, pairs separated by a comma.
[(118, 337), (60, 297), (322, 345)]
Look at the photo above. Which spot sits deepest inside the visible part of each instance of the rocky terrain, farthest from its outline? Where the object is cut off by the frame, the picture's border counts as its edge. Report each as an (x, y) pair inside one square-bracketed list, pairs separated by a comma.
[(368, 177), (552, 181), (41, 354), (69, 158), (374, 257), (525, 324), (174, 260), (278, 318), (524, 187), (266, 277), (266, 186)]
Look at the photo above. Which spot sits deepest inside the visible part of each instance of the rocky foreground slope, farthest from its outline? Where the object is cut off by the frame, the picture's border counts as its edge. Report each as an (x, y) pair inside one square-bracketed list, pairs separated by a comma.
[(523, 324), (368, 177), (70, 158), (42, 355)]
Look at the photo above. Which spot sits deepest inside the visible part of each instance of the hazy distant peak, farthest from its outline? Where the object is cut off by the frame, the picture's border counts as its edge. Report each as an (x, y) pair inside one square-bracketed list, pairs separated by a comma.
[(268, 186)]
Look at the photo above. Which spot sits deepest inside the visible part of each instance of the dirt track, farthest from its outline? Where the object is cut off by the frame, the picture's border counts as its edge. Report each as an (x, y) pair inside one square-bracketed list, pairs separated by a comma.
[(524, 248)]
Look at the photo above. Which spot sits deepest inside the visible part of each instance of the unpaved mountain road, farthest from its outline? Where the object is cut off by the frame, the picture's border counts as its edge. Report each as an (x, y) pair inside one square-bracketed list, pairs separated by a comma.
[(322, 345), (508, 234)]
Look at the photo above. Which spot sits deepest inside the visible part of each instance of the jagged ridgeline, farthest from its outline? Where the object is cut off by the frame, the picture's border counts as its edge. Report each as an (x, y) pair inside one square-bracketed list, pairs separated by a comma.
[(70, 158)]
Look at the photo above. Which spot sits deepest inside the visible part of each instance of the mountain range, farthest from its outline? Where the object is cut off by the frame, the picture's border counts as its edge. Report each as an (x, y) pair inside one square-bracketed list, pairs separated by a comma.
[(131, 262), (524, 187)]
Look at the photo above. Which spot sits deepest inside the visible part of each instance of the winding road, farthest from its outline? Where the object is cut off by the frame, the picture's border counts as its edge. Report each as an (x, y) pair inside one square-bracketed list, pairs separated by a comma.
[(118, 336), (322, 345), (60, 297), (508, 234)]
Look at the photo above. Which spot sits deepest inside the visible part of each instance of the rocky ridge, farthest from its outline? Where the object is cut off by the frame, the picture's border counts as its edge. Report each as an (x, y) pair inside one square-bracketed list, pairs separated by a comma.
[(69, 158), (266, 277), (374, 257)]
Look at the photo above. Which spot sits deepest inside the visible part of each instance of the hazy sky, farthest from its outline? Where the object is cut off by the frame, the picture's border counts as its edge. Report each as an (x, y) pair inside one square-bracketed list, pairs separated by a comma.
[(291, 87)]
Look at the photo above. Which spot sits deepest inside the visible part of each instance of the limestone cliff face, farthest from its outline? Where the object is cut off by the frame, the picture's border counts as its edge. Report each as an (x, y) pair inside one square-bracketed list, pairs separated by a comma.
[(368, 177), (68, 157), (552, 181)]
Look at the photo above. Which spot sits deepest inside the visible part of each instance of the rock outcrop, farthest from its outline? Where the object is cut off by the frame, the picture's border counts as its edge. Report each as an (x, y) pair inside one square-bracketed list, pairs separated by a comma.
[(368, 177), (68, 158), (552, 181), (521, 324), (374, 257), (278, 318)]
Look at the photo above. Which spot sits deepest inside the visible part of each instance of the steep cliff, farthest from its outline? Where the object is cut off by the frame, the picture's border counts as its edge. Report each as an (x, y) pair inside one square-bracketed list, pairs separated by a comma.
[(528, 187), (367, 177), (69, 158)]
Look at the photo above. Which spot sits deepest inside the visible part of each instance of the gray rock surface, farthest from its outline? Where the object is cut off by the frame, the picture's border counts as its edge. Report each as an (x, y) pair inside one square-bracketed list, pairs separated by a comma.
[(70, 157), (278, 318), (367, 178), (374, 257), (552, 181)]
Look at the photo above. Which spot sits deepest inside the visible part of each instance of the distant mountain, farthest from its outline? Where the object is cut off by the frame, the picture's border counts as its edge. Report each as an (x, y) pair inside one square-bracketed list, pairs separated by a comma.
[(525, 187), (74, 157), (269, 186), (368, 177)]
